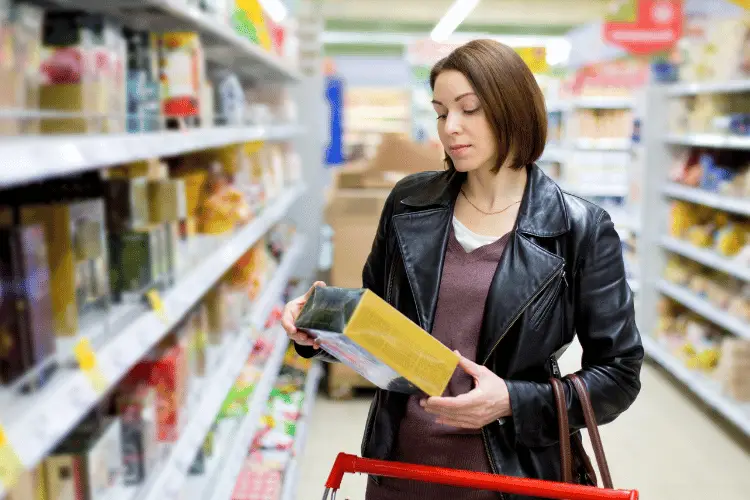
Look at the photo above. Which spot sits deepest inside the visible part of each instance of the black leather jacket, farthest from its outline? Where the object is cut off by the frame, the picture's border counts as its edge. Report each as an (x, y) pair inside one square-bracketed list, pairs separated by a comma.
[(562, 274)]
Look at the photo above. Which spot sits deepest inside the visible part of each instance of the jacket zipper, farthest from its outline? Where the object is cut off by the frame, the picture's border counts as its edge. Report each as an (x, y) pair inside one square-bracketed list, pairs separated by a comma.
[(515, 318), (560, 271), (368, 427), (389, 286), (550, 302), (489, 458)]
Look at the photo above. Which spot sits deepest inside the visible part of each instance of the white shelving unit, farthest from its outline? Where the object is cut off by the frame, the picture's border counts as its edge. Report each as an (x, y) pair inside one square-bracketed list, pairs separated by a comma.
[(289, 488), (34, 425), (43, 157), (170, 481), (707, 390), (706, 257), (222, 45), (221, 487), (722, 87), (710, 141), (658, 193), (705, 309), (731, 204), (603, 102)]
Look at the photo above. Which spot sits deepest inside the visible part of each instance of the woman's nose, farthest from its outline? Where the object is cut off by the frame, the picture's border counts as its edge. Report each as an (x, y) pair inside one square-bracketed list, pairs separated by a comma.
[(453, 123)]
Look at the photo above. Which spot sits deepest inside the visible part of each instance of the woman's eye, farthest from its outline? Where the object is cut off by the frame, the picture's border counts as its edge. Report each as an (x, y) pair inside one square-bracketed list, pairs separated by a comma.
[(441, 117), (471, 111)]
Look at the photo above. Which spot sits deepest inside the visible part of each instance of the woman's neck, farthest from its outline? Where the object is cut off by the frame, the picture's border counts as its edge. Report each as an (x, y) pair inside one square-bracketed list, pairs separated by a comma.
[(495, 191)]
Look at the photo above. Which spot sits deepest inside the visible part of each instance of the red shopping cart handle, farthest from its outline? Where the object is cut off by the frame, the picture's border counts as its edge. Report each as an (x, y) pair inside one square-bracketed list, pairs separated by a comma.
[(351, 464)]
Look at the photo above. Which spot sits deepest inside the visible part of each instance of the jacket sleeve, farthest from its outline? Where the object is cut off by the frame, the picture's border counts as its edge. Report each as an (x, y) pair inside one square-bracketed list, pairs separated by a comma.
[(373, 274), (612, 350)]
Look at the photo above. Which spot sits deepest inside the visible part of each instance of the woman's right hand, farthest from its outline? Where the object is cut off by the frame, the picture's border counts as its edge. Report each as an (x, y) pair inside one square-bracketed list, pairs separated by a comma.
[(290, 314)]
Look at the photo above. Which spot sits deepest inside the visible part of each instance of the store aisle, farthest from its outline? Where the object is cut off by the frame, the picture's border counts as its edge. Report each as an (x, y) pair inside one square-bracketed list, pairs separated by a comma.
[(664, 446)]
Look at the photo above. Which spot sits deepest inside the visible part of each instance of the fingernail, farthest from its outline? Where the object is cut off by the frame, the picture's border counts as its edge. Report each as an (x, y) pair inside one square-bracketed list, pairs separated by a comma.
[(422, 403)]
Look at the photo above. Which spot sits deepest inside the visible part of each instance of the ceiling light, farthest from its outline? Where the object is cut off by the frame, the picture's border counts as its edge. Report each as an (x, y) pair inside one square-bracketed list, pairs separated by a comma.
[(452, 19), (275, 9)]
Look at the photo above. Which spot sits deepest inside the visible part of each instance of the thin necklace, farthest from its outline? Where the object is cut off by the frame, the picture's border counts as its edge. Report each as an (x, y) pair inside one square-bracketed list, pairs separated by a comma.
[(488, 213)]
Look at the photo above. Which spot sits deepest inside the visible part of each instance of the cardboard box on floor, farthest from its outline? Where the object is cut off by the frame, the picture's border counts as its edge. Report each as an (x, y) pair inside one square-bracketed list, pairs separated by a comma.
[(396, 157), (357, 199)]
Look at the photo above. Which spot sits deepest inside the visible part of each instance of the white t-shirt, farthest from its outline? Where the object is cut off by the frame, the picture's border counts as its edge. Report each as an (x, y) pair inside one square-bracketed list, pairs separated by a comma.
[(470, 240)]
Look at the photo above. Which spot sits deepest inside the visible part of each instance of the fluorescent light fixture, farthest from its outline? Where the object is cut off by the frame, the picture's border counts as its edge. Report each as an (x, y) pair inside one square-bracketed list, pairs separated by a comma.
[(275, 9), (452, 19)]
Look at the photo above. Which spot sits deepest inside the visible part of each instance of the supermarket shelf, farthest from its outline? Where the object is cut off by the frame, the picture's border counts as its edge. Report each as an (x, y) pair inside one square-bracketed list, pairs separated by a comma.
[(230, 469), (169, 484), (733, 204), (706, 257), (222, 44), (708, 391), (42, 157), (705, 309), (175, 469), (277, 284), (196, 485), (557, 106), (289, 488), (606, 144), (35, 424), (721, 87), (591, 190), (603, 103), (554, 153), (710, 140)]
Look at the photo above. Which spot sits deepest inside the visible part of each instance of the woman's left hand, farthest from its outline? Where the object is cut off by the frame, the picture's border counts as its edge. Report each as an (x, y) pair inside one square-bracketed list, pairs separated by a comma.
[(487, 402)]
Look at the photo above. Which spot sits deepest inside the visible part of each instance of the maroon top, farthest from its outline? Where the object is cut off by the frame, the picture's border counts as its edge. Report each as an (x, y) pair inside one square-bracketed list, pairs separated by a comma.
[(458, 320)]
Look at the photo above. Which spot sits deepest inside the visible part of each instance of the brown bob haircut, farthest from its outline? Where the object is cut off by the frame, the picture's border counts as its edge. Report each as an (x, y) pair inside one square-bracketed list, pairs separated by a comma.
[(510, 96)]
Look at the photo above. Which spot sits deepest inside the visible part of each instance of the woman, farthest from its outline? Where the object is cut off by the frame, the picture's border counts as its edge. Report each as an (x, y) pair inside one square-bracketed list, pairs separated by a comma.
[(498, 263)]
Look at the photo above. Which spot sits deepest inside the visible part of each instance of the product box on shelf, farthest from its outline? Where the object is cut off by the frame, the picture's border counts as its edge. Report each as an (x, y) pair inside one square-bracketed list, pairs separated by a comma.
[(733, 370), (82, 73), (21, 33), (26, 318), (143, 100), (365, 333), (87, 465), (30, 486), (715, 48), (135, 262), (135, 405), (167, 200), (216, 313), (77, 257), (166, 374), (127, 204), (182, 76)]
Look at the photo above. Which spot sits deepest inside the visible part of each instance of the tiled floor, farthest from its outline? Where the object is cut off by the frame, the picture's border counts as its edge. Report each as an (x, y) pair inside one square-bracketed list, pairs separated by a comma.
[(664, 446)]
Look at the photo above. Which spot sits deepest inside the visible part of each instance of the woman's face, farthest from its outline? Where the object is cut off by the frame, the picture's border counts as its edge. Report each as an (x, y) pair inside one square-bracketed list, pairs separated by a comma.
[(462, 124)]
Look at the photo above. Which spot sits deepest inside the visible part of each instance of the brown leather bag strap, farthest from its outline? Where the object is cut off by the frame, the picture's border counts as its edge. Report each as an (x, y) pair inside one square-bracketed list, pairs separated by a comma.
[(593, 428), (566, 456)]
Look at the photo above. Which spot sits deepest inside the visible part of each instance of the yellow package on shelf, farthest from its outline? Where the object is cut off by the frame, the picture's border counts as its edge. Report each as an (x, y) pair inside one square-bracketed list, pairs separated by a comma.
[(364, 332)]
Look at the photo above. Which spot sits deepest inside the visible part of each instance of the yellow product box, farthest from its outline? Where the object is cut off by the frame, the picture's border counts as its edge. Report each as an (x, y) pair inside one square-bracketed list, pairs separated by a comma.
[(364, 332)]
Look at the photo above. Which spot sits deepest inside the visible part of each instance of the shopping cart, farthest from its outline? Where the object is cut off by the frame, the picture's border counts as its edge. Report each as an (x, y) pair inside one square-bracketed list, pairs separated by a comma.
[(350, 464)]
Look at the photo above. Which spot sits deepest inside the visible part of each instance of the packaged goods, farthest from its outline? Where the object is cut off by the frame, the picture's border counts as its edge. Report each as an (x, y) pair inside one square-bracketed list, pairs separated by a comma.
[(364, 332)]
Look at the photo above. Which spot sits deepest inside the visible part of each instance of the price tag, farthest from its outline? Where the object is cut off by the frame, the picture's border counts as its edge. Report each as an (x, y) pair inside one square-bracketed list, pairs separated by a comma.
[(89, 365), (10, 465), (157, 304)]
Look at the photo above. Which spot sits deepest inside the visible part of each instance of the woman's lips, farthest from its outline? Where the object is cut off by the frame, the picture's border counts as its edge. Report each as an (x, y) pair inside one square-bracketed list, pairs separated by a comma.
[(459, 149)]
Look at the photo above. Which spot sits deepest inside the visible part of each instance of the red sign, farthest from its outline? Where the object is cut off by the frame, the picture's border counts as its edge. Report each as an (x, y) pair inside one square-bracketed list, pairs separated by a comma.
[(644, 26)]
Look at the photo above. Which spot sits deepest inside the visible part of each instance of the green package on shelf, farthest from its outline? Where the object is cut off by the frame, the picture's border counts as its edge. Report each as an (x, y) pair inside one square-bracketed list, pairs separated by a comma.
[(244, 26)]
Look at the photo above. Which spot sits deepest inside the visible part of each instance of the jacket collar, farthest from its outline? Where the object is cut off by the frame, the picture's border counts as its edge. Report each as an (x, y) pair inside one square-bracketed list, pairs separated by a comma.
[(542, 212)]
